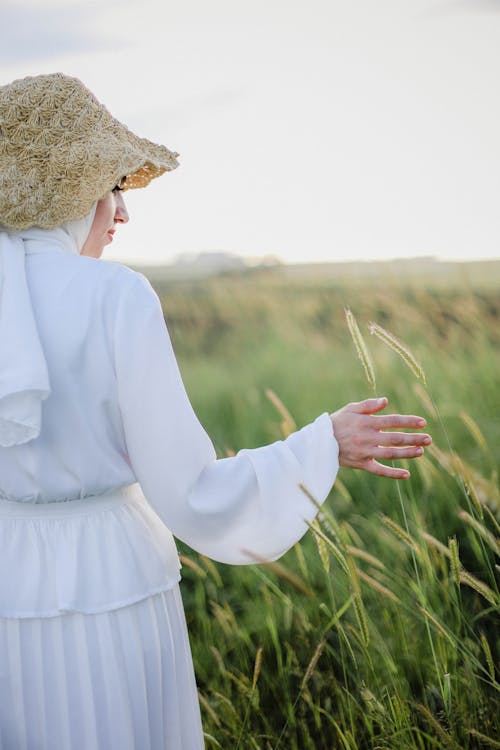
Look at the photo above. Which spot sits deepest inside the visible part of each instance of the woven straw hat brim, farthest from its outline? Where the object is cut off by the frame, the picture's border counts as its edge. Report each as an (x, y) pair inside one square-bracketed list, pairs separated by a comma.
[(61, 151)]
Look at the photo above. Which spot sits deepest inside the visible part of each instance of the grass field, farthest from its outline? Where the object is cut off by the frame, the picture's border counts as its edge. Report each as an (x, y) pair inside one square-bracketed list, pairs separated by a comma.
[(380, 629)]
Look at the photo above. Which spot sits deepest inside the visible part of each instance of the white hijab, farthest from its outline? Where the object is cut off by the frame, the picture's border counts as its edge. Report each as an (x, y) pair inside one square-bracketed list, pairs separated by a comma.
[(24, 379)]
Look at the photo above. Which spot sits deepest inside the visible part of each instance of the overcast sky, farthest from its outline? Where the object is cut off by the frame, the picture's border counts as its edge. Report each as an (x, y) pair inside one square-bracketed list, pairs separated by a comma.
[(310, 130)]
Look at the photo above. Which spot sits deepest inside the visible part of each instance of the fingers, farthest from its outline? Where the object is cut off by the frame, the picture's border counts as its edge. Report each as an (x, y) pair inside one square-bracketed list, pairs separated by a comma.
[(403, 438), (368, 406), (396, 454), (388, 421), (401, 421), (386, 471)]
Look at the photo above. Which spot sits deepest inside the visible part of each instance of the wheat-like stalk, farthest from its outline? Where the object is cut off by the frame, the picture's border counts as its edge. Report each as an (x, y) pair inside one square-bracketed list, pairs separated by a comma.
[(288, 575), (400, 532), (445, 738), (257, 667), (312, 664), (371, 701), (363, 555), (493, 520), (474, 430), (489, 657), (454, 559), (288, 424), (436, 543), (396, 345), (332, 546), (210, 566), (361, 347), (483, 532), (184, 560), (208, 708), (425, 400), (361, 618), (479, 586), (322, 548), (484, 738), (378, 586), (440, 628)]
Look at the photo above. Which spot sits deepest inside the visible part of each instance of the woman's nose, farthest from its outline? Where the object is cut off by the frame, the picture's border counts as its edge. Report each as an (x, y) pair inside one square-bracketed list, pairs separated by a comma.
[(121, 213)]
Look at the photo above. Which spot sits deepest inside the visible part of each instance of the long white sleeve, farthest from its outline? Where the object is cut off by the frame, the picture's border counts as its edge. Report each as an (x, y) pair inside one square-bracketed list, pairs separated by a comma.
[(237, 510)]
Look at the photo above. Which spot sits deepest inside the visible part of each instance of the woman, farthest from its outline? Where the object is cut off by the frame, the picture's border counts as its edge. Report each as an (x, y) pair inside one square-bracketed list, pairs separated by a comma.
[(102, 458)]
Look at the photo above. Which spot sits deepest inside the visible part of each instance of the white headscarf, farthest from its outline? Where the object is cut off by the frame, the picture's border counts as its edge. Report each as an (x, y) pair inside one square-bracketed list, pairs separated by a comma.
[(24, 379)]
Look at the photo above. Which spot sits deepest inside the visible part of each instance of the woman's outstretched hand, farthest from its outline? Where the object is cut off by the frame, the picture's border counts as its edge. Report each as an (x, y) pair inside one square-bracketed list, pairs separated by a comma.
[(364, 438)]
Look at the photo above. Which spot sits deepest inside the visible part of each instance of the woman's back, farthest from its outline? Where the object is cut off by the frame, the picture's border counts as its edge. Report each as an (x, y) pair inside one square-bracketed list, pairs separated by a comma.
[(81, 448)]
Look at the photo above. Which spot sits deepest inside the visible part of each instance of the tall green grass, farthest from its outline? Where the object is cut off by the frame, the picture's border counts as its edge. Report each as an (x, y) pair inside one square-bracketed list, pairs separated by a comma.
[(380, 629)]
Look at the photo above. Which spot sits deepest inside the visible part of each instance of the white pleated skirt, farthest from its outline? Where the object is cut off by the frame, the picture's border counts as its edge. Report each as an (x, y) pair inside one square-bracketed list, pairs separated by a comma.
[(116, 680)]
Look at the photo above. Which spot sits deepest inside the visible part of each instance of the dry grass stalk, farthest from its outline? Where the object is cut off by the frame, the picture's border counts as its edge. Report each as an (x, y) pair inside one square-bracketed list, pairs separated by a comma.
[(397, 346), (363, 555), (433, 722), (474, 430), (224, 699), (283, 572), (361, 348), (454, 559), (373, 704), (400, 532), (209, 565), (474, 583), (322, 548), (439, 627), (312, 664), (241, 681), (218, 658), (436, 543), (425, 399), (361, 618), (288, 424), (309, 495), (224, 617), (257, 666), (378, 586), (208, 708), (194, 566), (484, 738), (299, 552), (332, 546), (483, 532), (488, 656), (353, 577), (481, 491)]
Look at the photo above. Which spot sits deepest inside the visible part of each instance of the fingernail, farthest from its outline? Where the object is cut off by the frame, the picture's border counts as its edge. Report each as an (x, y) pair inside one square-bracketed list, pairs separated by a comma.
[(422, 422), (427, 441)]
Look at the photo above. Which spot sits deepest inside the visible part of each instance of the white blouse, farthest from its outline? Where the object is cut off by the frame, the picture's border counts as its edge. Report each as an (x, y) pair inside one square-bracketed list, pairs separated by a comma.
[(118, 417)]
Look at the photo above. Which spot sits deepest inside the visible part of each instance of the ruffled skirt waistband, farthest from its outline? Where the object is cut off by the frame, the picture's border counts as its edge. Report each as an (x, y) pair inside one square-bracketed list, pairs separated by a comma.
[(89, 504), (91, 555)]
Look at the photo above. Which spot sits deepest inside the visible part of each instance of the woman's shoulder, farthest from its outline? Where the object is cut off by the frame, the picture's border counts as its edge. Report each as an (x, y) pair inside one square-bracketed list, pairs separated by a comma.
[(114, 278), (128, 288)]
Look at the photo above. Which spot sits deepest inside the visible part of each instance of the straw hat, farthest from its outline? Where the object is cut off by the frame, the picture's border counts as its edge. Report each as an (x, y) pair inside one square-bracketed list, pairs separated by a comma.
[(61, 151)]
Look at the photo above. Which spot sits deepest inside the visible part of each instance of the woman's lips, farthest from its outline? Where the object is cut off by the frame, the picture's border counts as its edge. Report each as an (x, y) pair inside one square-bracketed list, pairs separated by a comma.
[(110, 234)]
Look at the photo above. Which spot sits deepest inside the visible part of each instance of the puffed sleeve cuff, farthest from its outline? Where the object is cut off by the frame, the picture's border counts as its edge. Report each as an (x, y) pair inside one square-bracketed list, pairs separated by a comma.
[(306, 460), (255, 506)]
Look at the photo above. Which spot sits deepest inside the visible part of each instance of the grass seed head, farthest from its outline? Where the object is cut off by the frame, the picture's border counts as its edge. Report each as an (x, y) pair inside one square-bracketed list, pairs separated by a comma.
[(396, 345), (361, 347), (489, 657), (454, 559)]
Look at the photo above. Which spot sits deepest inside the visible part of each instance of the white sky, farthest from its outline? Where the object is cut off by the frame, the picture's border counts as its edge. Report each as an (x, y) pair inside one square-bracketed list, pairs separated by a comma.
[(310, 130)]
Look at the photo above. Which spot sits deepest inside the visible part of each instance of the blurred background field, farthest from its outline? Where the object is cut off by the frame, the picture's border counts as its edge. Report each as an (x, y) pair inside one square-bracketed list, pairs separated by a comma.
[(380, 630)]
